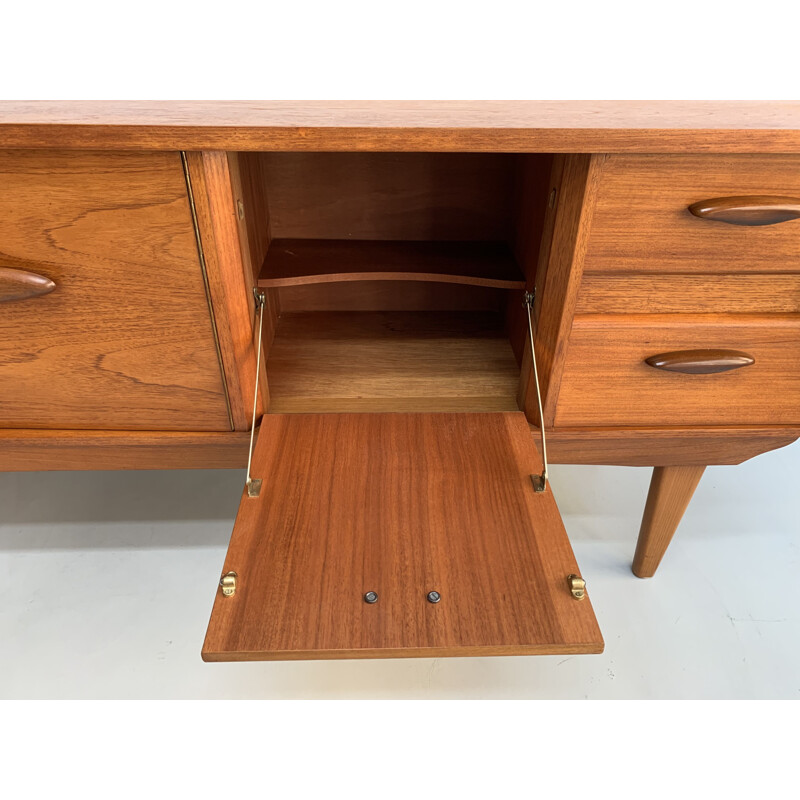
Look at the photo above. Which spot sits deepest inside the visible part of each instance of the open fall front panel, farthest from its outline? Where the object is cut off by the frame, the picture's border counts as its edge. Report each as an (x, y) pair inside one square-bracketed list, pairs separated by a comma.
[(389, 508)]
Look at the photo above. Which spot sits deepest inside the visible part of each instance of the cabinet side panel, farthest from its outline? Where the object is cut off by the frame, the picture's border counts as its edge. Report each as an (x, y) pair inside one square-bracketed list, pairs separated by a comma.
[(227, 247), (575, 179)]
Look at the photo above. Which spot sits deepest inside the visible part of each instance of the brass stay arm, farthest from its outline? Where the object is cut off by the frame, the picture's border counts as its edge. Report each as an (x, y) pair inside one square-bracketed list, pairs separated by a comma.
[(254, 484), (539, 481)]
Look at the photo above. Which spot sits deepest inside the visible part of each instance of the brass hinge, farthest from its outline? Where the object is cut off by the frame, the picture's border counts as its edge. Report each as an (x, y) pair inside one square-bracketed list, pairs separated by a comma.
[(228, 584), (577, 586)]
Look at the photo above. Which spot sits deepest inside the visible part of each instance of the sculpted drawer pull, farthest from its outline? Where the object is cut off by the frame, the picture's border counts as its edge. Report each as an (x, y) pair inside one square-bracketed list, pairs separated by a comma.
[(700, 362), (748, 210), (18, 284)]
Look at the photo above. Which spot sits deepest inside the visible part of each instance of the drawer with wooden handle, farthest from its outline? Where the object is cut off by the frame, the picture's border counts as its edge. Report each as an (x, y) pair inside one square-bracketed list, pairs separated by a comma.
[(682, 370), (104, 316), (694, 214)]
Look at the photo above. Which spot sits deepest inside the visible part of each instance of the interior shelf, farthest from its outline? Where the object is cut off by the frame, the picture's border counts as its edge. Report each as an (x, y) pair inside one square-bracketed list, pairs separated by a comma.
[(294, 262), (391, 361)]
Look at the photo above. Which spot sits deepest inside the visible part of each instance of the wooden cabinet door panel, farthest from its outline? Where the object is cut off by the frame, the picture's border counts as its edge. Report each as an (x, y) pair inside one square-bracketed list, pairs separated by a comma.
[(125, 339)]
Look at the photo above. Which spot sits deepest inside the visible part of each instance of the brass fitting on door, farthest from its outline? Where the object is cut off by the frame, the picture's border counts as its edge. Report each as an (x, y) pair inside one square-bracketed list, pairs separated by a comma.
[(228, 584), (577, 586)]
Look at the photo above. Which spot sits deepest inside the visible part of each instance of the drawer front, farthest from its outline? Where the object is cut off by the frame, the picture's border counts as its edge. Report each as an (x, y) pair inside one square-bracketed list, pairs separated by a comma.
[(104, 318), (607, 381), (642, 221)]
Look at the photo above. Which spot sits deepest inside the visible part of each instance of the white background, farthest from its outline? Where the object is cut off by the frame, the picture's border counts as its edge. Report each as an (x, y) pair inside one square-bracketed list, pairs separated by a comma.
[(720, 619)]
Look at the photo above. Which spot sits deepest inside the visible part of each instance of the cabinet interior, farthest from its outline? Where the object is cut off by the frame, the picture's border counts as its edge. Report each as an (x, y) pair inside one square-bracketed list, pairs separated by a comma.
[(394, 281)]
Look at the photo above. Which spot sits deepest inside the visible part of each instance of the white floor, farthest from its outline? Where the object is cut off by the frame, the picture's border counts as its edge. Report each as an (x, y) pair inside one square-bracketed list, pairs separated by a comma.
[(107, 579)]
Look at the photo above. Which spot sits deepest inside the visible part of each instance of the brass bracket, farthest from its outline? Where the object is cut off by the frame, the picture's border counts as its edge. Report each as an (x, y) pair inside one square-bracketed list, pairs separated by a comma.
[(577, 586), (539, 481), (228, 584)]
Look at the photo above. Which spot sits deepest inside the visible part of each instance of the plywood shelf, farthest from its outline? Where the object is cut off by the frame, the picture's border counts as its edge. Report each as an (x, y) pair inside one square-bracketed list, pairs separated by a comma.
[(294, 262), (391, 361)]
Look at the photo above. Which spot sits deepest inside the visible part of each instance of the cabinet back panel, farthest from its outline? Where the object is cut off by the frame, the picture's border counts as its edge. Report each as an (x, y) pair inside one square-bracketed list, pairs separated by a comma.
[(417, 196), (390, 296)]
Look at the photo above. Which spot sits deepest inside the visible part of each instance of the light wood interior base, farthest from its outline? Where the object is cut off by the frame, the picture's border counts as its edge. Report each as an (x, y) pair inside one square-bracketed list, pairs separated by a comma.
[(410, 361), (671, 489)]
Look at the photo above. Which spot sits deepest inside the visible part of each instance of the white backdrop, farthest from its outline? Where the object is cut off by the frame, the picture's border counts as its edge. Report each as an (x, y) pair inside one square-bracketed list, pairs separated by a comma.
[(106, 579)]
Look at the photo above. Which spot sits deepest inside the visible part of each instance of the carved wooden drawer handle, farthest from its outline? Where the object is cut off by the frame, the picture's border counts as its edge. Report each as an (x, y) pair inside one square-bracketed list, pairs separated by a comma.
[(19, 284), (750, 210), (701, 362)]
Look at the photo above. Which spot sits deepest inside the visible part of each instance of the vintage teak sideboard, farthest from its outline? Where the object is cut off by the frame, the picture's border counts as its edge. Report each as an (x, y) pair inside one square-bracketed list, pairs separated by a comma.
[(342, 297)]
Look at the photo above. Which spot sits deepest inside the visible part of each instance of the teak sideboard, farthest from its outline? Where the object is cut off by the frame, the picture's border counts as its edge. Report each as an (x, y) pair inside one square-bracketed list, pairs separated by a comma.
[(342, 298)]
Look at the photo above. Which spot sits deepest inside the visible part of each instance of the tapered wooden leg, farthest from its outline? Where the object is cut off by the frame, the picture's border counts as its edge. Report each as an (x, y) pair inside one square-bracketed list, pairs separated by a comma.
[(671, 489)]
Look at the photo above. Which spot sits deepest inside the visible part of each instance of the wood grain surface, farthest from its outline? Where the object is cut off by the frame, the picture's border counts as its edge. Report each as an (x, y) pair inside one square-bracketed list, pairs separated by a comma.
[(567, 226), (125, 341), (642, 220), (398, 504), (390, 296), (681, 293), (252, 219), (294, 262), (671, 490), (557, 126), (607, 382), (37, 450), (391, 361), (225, 247), (665, 446), (414, 196), (533, 195)]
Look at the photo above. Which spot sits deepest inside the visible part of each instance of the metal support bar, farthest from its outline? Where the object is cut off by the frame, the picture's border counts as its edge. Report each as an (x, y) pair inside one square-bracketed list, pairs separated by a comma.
[(254, 484), (539, 481)]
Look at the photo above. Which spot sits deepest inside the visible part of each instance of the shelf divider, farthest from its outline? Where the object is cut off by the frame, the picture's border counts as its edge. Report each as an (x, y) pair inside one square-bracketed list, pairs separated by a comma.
[(294, 262)]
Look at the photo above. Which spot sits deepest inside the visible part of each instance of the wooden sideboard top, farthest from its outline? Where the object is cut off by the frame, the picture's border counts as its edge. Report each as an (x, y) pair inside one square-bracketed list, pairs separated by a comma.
[(494, 125)]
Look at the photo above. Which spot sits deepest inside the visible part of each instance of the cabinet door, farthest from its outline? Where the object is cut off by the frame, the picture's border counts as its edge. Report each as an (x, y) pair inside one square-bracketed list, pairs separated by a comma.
[(361, 517), (104, 317)]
